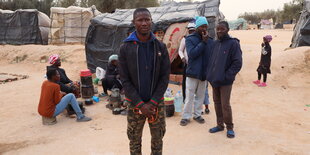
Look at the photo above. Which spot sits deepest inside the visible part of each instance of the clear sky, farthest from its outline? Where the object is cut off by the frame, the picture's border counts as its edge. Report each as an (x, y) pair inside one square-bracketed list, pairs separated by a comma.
[(232, 8)]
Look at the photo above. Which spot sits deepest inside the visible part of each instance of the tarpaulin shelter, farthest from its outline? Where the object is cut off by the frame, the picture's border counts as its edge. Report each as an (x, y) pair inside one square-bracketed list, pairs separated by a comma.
[(239, 24), (301, 36), (69, 25), (107, 31), (20, 27)]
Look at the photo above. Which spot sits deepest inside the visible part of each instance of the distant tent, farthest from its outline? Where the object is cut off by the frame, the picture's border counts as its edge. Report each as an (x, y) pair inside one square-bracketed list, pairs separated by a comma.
[(239, 24), (107, 31), (266, 24), (69, 25), (301, 36), (20, 27)]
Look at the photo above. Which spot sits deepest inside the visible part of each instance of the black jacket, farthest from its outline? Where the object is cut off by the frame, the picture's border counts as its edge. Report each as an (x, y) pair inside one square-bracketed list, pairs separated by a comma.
[(225, 62), (129, 72), (63, 80)]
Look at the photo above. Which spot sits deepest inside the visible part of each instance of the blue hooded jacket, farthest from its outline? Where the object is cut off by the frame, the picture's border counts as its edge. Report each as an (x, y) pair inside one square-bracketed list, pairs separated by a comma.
[(225, 62), (198, 53)]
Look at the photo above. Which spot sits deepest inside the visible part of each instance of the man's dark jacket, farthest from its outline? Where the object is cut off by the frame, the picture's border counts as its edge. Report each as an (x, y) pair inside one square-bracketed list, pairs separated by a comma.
[(63, 79), (198, 52), (225, 62), (129, 72)]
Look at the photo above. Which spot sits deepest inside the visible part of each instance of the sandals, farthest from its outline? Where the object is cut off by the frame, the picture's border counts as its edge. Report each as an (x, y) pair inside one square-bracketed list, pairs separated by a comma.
[(216, 129), (199, 120), (184, 122), (230, 134)]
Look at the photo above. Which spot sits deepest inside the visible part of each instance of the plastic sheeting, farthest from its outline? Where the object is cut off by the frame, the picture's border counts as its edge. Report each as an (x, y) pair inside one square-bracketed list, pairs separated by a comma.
[(69, 25), (239, 24), (301, 36), (20, 27), (107, 31)]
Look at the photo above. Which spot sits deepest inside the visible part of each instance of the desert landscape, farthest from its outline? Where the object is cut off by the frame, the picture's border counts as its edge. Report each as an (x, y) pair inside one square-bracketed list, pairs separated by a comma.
[(270, 120)]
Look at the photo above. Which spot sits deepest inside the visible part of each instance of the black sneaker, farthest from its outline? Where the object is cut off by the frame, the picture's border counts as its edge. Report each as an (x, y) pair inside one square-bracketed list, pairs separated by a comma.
[(207, 111), (199, 120), (184, 122)]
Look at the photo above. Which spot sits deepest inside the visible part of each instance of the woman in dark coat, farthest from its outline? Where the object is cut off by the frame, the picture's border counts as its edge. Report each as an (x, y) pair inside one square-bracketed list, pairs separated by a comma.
[(265, 62)]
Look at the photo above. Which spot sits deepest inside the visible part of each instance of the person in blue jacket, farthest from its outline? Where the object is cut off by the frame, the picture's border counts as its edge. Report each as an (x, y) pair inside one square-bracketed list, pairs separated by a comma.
[(198, 46), (224, 64)]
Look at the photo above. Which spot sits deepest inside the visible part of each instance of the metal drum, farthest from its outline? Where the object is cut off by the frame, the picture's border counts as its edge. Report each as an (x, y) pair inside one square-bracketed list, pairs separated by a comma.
[(87, 87)]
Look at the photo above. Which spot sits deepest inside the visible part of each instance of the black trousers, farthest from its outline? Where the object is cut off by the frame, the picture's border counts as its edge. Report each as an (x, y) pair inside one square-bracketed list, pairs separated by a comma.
[(264, 77), (109, 83)]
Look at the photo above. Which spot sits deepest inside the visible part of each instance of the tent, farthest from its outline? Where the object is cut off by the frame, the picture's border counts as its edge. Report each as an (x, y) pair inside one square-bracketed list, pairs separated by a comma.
[(239, 24), (20, 27), (301, 36), (107, 31), (266, 24), (69, 25)]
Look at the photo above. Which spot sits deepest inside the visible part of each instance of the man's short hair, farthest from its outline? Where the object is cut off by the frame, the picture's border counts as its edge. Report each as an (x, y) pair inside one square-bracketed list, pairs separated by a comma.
[(224, 23), (50, 73), (139, 10)]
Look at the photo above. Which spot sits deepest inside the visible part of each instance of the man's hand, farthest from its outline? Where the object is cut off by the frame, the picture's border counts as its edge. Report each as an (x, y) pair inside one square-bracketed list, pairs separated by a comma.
[(205, 36), (148, 110)]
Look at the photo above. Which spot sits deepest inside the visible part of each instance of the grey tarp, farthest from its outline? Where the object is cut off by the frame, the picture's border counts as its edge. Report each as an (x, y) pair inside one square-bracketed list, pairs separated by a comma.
[(107, 31), (301, 36), (22, 27)]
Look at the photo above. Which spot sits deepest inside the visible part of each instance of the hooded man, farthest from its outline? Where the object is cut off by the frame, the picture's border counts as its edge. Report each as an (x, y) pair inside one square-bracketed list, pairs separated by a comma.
[(198, 46), (225, 63), (144, 70)]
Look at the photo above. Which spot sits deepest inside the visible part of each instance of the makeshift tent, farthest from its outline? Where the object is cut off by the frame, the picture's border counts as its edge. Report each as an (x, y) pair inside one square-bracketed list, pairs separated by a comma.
[(266, 24), (107, 31), (20, 27), (239, 24), (301, 36), (69, 25)]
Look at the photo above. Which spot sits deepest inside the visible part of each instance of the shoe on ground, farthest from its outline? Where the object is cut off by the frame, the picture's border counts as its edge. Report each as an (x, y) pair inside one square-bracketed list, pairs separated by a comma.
[(230, 134), (216, 129), (49, 120), (184, 122), (207, 111), (199, 120), (262, 84), (103, 95), (83, 119), (257, 82)]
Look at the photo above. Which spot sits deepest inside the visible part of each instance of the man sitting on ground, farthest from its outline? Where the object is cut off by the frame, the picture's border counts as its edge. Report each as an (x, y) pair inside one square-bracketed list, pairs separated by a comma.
[(112, 77), (52, 102), (66, 85)]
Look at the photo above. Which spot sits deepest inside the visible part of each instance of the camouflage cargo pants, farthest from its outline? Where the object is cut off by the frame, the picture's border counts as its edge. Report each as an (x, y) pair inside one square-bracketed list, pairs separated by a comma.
[(135, 128)]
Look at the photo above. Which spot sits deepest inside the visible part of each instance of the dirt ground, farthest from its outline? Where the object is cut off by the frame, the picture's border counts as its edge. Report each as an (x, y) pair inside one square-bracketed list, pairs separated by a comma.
[(271, 120)]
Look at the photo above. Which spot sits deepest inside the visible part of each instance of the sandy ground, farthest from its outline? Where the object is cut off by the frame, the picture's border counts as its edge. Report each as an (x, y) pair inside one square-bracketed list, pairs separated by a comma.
[(271, 120)]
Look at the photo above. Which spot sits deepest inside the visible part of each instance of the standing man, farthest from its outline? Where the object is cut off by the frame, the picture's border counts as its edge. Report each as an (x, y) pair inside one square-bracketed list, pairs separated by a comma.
[(225, 63), (144, 70), (183, 55), (198, 46)]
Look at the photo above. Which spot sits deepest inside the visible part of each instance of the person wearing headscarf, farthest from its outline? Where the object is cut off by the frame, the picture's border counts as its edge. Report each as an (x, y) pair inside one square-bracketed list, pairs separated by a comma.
[(66, 85), (112, 78), (265, 62)]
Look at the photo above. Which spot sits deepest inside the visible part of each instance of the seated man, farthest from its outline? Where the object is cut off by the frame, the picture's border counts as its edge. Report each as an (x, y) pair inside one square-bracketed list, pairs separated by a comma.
[(52, 102), (112, 78), (66, 85)]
